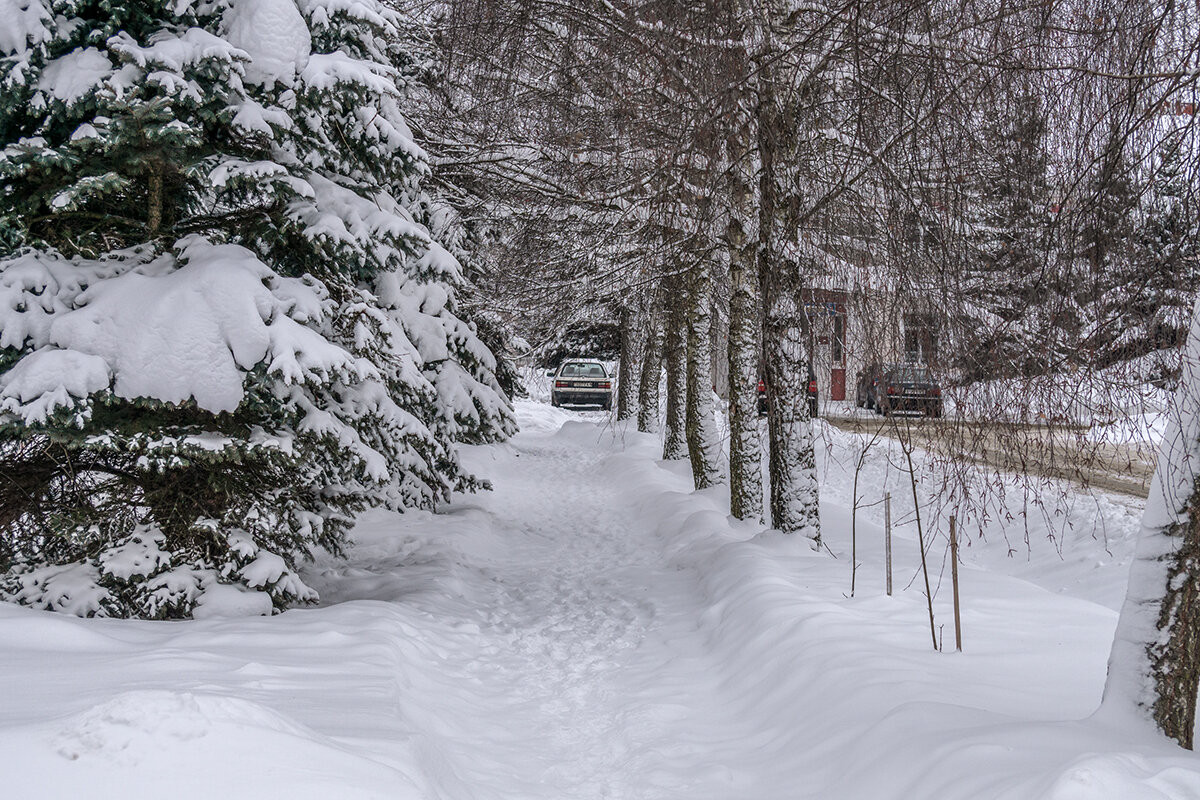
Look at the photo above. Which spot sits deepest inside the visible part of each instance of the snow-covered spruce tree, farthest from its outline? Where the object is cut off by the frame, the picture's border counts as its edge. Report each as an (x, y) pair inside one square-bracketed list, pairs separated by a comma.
[(1154, 301), (1154, 668), (222, 331), (1106, 275), (472, 382), (1006, 213)]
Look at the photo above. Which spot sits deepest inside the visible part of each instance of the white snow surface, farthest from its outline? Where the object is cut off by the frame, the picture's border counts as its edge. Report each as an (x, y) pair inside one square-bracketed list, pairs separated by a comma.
[(594, 628), (75, 74), (273, 34), (25, 23), (169, 329)]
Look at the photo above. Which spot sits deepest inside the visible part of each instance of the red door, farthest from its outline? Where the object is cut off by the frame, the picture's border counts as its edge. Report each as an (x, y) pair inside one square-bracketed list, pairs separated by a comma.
[(837, 387), (837, 353)]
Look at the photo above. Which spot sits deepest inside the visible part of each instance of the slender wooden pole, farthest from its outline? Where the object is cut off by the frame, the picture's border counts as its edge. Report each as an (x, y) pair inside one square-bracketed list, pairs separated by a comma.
[(912, 482), (854, 533), (887, 537), (954, 581)]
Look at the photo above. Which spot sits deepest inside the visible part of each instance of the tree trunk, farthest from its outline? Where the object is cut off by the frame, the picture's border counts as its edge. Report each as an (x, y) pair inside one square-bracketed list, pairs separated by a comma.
[(745, 356), (703, 444), (627, 374), (651, 373), (792, 460), (1154, 667), (675, 354), (154, 209)]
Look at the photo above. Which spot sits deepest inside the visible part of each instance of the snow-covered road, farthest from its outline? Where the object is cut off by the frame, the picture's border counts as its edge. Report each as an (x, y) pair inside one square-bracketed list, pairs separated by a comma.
[(593, 628)]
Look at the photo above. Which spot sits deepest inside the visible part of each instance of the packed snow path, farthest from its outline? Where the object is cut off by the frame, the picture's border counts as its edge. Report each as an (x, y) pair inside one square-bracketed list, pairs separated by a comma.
[(589, 664)]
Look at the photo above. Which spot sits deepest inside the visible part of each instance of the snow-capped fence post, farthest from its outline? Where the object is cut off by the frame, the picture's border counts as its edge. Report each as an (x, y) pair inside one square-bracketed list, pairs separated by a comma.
[(954, 582), (887, 538)]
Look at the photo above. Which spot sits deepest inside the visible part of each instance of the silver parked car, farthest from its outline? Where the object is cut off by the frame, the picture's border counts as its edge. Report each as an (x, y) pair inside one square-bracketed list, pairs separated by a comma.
[(581, 382)]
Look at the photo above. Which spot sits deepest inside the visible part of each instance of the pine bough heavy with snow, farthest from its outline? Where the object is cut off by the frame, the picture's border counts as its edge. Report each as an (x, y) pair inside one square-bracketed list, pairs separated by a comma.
[(222, 331)]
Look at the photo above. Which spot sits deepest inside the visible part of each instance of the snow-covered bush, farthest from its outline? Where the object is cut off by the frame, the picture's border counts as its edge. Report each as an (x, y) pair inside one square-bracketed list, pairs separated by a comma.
[(223, 332)]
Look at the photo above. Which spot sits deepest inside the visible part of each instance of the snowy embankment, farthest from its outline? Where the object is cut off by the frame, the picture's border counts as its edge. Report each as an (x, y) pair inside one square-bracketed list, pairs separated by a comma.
[(1120, 404), (594, 628)]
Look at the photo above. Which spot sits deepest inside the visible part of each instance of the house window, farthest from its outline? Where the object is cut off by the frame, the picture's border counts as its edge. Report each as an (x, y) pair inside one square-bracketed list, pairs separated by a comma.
[(920, 338)]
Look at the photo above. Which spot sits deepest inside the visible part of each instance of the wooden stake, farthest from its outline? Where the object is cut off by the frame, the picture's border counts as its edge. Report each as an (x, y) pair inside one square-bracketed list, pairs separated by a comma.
[(887, 537), (954, 582)]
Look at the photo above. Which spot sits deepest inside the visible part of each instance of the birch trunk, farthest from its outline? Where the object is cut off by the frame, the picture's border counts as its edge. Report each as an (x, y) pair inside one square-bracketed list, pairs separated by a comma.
[(627, 369), (651, 373), (745, 448), (1154, 668), (703, 444), (792, 458), (675, 354)]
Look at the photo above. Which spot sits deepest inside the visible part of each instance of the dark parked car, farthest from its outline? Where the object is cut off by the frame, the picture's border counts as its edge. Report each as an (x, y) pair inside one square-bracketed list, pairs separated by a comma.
[(811, 391), (579, 382), (867, 389), (909, 388)]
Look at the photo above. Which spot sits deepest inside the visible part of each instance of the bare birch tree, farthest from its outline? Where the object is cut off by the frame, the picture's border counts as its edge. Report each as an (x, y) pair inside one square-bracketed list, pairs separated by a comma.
[(675, 356), (701, 424), (1154, 669), (648, 385)]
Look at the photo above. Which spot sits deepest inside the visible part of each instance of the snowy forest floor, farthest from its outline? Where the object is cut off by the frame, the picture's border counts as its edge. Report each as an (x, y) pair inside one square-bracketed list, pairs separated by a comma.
[(594, 628)]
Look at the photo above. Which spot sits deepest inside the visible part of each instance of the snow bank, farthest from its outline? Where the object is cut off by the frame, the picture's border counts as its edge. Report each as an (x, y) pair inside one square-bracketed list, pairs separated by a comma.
[(218, 708), (855, 685), (161, 736), (1122, 402)]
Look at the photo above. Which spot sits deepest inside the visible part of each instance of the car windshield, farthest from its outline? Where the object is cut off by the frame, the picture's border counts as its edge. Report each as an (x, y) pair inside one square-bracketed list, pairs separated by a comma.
[(582, 371), (912, 375)]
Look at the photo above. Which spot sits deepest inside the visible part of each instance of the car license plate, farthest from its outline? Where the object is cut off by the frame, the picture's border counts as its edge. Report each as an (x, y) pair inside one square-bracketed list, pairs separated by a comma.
[(914, 391)]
